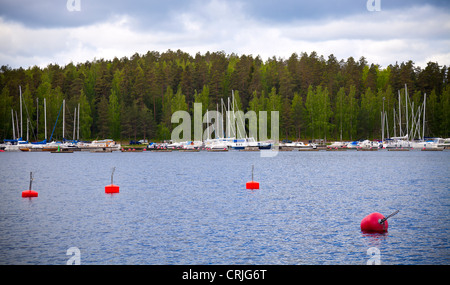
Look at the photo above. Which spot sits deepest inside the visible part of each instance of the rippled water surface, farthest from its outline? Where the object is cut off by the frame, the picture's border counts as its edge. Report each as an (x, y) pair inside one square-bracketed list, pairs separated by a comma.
[(193, 208)]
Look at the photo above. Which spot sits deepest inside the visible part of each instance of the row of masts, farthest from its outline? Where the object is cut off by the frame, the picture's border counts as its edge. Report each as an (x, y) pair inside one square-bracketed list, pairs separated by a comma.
[(412, 132), (412, 119), (15, 124), (218, 126)]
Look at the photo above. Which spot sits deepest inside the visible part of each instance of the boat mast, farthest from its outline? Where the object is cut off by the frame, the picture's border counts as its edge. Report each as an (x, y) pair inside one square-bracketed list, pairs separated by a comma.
[(382, 123), (37, 117), (78, 131), (406, 103), (228, 118), (233, 113), (74, 122), (387, 125), (221, 108), (207, 123), (395, 129), (14, 130), (20, 99), (45, 119), (399, 114), (424, 104), (64, 116), (217, 120), (17, 125)]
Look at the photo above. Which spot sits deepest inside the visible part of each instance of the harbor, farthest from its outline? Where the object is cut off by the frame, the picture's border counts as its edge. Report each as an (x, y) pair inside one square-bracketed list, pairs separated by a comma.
[(227, 132), (109, 145)]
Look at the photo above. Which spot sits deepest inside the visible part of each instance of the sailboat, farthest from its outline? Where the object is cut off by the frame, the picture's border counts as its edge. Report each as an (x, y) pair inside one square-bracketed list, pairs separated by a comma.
[(17, 142)]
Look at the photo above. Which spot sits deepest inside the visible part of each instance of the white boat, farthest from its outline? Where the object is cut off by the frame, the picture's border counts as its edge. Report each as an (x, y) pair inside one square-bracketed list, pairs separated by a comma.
[(175, 145), (430, 144), (106, 144), (15, 145), (302, 145), (192, 145), (397, 143), (265, 145), (353, 145), (337, 145), (238, 144), (216, 144), (368, 145), (445, 143)]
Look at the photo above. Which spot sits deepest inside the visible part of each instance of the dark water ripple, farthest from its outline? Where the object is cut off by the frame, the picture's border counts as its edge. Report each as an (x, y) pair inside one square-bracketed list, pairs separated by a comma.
[(193, 208)]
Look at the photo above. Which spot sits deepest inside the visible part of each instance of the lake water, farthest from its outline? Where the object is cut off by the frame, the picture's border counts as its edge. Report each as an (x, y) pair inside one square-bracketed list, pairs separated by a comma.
[(193, 208)]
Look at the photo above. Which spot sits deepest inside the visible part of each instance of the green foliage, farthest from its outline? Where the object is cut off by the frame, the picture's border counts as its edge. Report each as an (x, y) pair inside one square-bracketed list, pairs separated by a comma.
[(298, 114), (135, 97), (202, 97), (114, 115), (5, 113), (319, 112), (85, 116)]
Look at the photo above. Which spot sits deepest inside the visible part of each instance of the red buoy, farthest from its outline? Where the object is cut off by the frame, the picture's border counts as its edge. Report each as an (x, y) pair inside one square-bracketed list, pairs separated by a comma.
[(112, 189), (29, 193), (252, 184), (375, 223)]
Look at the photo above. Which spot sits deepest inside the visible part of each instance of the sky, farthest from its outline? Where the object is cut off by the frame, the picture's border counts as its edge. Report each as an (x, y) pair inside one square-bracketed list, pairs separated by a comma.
[(383, 31)]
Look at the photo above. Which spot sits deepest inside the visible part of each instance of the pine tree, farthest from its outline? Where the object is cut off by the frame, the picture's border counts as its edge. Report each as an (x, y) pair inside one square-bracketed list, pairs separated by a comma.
[(340, 113), (103, 124), (5, 114), (353, 112), (445, 111), (298, 114), (114, 115), (85, 117)]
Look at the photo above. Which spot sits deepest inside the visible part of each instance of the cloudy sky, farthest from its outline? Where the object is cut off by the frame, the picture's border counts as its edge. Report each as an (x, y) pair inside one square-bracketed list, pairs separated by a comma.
[(62, 31)]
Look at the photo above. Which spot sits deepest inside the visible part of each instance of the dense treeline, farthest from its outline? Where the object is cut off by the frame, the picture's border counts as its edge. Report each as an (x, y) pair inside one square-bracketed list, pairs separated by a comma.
[(133, 98)]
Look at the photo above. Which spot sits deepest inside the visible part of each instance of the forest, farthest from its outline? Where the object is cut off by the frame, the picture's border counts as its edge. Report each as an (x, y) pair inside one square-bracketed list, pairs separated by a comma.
[(134, 98)]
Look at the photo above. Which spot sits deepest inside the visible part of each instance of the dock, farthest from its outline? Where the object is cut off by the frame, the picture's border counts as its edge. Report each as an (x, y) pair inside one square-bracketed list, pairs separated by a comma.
[(62, 151)]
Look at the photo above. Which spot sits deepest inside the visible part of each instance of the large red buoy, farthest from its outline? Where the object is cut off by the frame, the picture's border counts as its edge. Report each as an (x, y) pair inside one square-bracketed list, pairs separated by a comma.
[(112, 189), (29, 193), (252, 184), (376, 223)]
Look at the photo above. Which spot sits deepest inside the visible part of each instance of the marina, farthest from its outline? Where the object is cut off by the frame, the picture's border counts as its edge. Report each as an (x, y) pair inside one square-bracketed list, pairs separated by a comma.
[(109, 145)]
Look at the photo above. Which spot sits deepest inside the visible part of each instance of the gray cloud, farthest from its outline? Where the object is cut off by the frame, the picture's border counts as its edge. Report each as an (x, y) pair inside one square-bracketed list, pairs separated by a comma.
[(43, 32), (53, 14)]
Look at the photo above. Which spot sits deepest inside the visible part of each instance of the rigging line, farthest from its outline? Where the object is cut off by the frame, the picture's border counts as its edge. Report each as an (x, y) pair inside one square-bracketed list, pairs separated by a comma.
[(28, 117), (56, 122)]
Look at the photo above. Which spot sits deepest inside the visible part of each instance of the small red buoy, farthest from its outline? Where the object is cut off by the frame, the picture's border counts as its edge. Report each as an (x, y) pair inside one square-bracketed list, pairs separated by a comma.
[(29, 193), (252, 184), (112, 189), (372, 223)]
